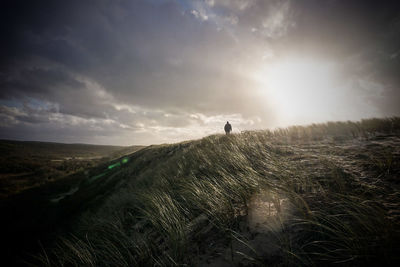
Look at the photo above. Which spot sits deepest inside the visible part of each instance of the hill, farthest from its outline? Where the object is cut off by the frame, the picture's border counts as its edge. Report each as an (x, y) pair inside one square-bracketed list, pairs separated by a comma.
[(321, 194), (27, 164)]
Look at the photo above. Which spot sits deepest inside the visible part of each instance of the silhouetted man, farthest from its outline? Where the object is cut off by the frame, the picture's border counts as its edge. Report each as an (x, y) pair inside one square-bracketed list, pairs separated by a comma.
[(228, 128)]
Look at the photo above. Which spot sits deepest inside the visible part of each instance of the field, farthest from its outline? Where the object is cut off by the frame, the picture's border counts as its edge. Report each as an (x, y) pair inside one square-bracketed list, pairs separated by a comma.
[(25, 165), (301, 196)]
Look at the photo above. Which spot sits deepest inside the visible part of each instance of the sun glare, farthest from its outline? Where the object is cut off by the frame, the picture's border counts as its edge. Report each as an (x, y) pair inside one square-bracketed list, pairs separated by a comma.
[(300, 89)]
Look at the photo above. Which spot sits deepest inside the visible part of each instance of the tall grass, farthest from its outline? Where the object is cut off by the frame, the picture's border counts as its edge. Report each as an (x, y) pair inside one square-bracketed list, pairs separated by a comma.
[(174, 197), (337, 130)]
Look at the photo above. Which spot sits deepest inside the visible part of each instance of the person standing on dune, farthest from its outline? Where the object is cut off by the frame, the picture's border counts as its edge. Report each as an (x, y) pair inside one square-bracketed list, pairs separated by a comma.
[(228, 128)]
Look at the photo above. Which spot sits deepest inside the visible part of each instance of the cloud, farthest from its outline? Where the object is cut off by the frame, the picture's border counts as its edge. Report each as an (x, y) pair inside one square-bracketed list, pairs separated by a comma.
[(153, 71), (144, 127), (236, 5)]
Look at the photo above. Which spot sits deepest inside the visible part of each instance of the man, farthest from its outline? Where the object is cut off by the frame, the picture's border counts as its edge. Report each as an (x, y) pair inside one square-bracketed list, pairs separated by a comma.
[(228, 128)]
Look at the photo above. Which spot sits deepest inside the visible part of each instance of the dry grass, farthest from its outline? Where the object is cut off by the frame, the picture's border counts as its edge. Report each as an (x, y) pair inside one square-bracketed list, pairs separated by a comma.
[(173, 200)]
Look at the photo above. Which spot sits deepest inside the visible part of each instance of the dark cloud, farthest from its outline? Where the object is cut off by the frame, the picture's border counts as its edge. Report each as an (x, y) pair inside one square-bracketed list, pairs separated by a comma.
[(144, 53), (119, 67), (366, 30), (36, 82)]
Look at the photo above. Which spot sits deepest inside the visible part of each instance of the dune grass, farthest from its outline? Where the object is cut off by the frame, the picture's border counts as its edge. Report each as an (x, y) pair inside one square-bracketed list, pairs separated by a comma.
[(174, 199)]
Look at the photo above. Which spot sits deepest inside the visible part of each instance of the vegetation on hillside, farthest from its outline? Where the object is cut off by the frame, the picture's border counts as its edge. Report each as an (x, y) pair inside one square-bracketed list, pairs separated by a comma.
[(321, 194), (25, 165)]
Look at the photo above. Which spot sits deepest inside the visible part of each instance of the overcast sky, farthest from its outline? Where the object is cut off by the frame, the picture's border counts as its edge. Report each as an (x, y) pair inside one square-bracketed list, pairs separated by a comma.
[(127, 72)]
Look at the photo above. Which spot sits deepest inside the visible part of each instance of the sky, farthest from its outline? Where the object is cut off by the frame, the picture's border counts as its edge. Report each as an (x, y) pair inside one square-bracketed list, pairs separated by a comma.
[(124, 72)]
